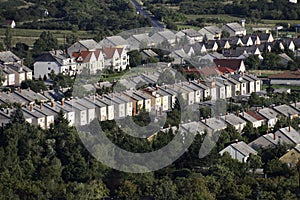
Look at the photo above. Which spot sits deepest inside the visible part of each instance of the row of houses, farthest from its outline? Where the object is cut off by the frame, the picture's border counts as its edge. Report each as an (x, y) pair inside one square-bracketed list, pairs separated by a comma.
[(157, 38), (82, 55), (241, 151), (160, 98), (13, 69)]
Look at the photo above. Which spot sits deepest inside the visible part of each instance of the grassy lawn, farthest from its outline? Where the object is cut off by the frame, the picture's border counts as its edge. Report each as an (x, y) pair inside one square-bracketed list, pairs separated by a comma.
[(266, 72), (28, 36), (225, 17), (228, 18), (293, 87)]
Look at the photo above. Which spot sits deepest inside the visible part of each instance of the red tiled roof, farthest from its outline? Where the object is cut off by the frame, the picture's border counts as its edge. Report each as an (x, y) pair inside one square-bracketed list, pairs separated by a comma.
[(225, 70), (109, 52), (234, 64), (86, 56), (255, 115), (287, 75), (205, 71)]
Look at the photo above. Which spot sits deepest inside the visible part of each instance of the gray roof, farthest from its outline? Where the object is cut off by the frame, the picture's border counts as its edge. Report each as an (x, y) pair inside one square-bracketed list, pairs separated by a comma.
[(85, 103), (265, 141), (17, 67), (8, 57), (75, 105), (143, 38), (233, 119), (89, 44), (286, 110), (268, 113), (95, 100), (34, 113), (13, 98), (235, 27), (243, 148), (195, 127), (116, 40), (31, 95), (215, 124), (191, 33), (290, 133), (46, 111), (167, 34), (213, 29)]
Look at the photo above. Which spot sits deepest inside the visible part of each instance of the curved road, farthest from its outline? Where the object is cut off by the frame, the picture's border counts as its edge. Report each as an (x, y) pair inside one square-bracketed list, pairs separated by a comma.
[(155, 22)]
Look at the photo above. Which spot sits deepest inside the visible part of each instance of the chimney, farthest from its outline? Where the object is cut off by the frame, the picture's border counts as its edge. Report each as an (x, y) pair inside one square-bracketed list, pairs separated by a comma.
[(274, 136), (52, 103), (41, 105), (30, 108), (156, 88), (243, 21), (289, 128), (236, 141), (63, 101)]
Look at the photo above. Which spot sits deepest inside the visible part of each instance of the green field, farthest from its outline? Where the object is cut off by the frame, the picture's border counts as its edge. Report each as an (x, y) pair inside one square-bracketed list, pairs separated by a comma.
[(28, 36), (265, 23), (292, 87)]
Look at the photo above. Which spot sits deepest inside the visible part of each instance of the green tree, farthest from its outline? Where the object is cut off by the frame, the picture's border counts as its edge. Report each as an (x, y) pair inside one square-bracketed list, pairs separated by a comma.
[(45, 42), (225, 34), (254, 162), (2, 48), (252, 62), (8, 39), (135, 58), (2, 77), (166, 77)]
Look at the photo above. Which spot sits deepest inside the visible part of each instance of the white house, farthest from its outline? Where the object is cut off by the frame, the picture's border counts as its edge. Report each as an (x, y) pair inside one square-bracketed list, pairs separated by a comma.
[(93, 61), (239, 151), (57, 61), (116, 58), (234, 29), (270, 115), (254, 118), (238, 123)]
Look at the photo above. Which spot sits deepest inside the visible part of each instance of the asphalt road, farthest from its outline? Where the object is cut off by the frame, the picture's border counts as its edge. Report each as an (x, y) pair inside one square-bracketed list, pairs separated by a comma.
[(155, 22)]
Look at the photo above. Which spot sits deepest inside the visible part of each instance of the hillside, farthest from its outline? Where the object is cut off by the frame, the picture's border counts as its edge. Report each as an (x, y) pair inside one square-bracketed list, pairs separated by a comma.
[(106, 15)]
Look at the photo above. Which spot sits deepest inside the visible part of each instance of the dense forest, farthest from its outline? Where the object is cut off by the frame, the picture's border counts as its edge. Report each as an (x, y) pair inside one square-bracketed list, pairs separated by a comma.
[(105, 15), (259, 9), (53, 164)]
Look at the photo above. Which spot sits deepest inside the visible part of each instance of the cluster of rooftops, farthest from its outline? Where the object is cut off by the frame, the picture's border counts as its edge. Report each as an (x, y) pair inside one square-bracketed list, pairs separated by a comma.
[(239, 149)]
